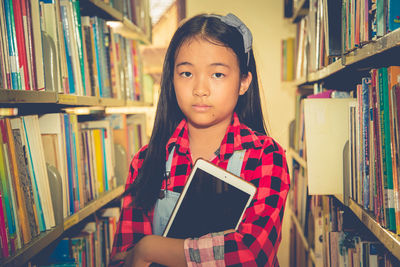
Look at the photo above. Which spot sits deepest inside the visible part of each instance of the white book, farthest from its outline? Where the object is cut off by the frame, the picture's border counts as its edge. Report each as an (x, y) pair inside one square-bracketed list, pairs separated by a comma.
[(327, 127), (53, 123), (50, 27), (31, 125)]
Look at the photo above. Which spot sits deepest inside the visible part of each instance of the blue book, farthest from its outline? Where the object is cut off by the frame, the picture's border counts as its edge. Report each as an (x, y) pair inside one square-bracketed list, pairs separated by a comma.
[(68, 51), (96, 46), (61, 255), (365, 139), (69, 163), (393, 15)]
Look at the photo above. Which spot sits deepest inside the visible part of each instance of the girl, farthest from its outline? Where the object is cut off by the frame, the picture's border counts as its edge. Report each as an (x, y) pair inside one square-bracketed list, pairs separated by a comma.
[(209, 108)]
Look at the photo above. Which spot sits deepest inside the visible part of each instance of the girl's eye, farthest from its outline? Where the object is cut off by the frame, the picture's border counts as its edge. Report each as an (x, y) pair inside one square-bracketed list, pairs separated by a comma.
[(218, 75), (186, 74)]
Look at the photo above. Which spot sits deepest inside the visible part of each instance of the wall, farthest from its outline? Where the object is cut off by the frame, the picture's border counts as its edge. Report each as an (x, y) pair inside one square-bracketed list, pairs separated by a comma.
[(265, 20)]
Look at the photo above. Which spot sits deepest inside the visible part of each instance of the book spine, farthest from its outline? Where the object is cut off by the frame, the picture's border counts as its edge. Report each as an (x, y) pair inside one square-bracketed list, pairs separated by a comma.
[(68, 50), (7, 203), (34, 179), (19, 30), (393, 17), (96, 35), (78, 38), (30, 46), (38, 46), (22, 207), (5, 253), (12, 46), (69, 163), (365, 134)]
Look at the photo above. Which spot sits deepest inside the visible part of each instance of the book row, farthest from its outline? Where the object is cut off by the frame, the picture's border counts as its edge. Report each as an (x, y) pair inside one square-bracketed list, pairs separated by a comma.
[(84, 155), (374, 142), (321, 40), (90, 247), (336, 239), (48, 45)]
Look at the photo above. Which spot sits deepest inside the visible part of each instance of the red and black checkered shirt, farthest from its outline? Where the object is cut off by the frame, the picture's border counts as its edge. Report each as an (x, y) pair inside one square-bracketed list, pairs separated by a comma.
[(256, 241)]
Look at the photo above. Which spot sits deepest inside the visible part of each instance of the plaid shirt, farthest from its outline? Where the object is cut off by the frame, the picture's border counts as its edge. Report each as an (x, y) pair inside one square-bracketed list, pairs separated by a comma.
[(256, 241)]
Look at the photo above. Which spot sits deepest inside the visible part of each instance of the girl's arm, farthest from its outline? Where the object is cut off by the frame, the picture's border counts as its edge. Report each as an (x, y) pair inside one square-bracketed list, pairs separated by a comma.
[(158, 249)]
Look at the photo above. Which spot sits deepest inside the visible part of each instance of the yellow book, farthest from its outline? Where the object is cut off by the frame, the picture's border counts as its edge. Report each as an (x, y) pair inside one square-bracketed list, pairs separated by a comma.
[(98, 147)]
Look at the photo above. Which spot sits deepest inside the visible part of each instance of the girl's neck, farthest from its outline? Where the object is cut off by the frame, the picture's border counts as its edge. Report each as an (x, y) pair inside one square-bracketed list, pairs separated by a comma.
[(203, 142)]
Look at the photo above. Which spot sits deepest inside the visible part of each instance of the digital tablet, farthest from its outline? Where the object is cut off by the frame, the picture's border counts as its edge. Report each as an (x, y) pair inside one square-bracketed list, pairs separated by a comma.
[(212, 200)]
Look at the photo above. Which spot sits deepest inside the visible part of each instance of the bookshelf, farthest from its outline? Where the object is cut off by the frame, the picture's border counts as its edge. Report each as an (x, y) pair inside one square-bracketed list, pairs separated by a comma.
[(343, 72), (388, 44), (47, 101)]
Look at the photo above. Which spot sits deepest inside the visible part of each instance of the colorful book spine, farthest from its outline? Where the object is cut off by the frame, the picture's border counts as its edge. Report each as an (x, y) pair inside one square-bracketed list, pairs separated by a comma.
[(22, 208), (38, 202), (365, 146), (12, 46), (386, 151), (19, 30), (393, 15)]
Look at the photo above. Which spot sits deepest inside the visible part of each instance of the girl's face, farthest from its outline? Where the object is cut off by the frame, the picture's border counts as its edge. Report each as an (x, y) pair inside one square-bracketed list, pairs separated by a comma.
[(207, 82)]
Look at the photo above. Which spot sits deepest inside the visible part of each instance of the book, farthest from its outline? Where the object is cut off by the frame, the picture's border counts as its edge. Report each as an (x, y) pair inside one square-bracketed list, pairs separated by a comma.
[(38, 168), (24, 176), (325, 171), (22, 208), (52, 131)]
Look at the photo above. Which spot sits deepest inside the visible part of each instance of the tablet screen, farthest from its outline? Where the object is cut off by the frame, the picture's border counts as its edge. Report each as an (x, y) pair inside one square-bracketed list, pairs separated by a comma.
[(209, 205)]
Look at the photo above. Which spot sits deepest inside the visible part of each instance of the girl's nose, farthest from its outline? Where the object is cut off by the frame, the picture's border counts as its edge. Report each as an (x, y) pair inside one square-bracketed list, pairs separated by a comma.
[(201, 87)]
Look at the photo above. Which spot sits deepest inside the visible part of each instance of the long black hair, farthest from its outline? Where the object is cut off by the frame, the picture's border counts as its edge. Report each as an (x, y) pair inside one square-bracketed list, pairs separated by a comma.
[(147, 185)]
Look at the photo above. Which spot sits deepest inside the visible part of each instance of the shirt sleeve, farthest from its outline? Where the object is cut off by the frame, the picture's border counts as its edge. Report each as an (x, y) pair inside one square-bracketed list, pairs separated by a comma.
[(258, 237), (133, 223)]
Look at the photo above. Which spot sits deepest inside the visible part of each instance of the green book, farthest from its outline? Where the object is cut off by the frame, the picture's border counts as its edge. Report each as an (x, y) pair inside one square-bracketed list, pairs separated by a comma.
[(386, 150)]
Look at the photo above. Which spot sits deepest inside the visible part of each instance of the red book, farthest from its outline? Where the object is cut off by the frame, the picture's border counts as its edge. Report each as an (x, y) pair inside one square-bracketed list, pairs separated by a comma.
[(19, 31), (28, 32)]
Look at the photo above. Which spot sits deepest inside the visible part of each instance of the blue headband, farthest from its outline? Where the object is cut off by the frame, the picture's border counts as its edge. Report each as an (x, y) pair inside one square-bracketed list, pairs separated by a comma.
[(234, 21)]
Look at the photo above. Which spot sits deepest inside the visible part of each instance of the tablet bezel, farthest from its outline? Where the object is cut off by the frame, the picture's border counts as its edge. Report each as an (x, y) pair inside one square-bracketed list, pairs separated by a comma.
[(221, 174)]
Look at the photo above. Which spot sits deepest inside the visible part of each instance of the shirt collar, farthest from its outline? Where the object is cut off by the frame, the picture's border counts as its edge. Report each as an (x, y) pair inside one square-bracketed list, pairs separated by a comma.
[(237, 137)]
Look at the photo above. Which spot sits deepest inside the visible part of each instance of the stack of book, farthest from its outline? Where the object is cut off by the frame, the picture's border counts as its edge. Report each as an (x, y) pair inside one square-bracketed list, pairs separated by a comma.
[(49, 46)]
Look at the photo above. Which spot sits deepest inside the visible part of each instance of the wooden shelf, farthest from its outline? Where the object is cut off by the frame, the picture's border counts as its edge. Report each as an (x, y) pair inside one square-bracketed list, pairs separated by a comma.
[(111, 102), (46, 238), (301, 234), (387, 238), (74, 100), (297, 158), (25, 97), (23, 255), (325, 72), (389, 41), (300, 11), (374, 48), (93, 206), (108, 9)]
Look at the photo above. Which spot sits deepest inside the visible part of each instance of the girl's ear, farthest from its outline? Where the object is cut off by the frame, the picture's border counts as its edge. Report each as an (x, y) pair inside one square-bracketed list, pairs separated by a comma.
[(245, 83)]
